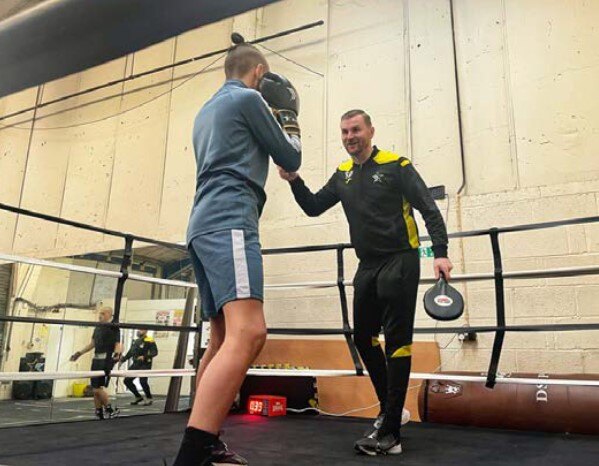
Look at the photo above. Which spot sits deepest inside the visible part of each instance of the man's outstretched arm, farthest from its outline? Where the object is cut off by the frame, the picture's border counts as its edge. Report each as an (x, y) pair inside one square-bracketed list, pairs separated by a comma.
[(312, 204)]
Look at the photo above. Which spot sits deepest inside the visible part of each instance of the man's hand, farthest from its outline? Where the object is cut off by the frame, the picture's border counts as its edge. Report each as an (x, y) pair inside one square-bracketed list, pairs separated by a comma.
[(442, 265), (75, 356), (140, 358), (287, 176)]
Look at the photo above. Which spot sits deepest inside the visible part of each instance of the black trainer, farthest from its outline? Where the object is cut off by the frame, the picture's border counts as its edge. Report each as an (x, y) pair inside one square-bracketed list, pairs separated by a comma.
[(112, 412), (387, 444), (378, 422), (137, 401), (100, 414), (222, 456)]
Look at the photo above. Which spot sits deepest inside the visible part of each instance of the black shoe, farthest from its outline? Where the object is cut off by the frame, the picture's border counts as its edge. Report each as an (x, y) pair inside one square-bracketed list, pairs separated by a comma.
[(222, 456), (136, 402), (387, 444), (378, 422), (100, 414), (372, 430), (112, 412)]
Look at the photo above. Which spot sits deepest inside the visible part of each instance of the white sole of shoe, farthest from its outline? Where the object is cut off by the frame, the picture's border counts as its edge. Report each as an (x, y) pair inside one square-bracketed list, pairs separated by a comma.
[(405, 417), (396, 450)]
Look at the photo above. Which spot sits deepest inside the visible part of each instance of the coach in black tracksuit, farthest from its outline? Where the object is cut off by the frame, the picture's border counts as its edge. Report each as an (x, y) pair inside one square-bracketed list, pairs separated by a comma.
[(378, 190), (142, 352)]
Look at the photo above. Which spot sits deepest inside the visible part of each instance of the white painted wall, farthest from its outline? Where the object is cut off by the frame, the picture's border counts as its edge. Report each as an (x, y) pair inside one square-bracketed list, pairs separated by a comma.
[(527, 71), (145, 311)]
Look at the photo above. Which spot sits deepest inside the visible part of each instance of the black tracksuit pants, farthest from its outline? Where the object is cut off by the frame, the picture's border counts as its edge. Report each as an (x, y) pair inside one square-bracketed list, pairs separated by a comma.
[(385, 292)]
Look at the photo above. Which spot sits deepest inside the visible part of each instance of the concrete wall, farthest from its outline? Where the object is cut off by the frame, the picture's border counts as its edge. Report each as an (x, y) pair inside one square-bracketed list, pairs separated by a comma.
[(146, 311), (527, 71)]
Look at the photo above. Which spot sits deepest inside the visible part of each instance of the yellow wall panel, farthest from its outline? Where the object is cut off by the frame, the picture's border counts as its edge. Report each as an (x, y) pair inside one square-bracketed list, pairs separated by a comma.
[(554, 73), (14, 145), (91, 161), (141, 145), (187, 98), (46, 169)]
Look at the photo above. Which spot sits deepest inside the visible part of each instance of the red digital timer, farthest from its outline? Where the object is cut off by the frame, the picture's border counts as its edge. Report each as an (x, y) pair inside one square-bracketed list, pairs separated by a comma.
[(267, 405)]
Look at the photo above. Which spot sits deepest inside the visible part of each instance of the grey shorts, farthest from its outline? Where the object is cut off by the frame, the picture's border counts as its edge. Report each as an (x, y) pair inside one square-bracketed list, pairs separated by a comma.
[(228, 267)]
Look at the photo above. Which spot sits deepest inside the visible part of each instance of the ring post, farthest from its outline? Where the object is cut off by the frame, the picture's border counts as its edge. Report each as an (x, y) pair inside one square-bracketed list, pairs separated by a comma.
[(500, 309)]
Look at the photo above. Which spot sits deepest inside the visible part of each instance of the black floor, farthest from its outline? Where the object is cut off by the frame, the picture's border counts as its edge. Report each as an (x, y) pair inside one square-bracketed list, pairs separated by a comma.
[(291, 440)]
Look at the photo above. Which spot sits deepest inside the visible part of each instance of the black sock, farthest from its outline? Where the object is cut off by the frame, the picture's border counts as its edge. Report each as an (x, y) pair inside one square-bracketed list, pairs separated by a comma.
[(100, 413), (109, 408), (196, 446)]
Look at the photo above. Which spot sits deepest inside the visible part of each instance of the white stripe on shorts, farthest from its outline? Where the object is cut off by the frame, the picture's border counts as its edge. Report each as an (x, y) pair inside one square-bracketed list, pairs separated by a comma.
[(242, 277)]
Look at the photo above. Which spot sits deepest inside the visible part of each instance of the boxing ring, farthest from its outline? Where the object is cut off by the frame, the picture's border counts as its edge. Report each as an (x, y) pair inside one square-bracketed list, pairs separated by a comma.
[(152, 436), (301, 439), (297, 440)]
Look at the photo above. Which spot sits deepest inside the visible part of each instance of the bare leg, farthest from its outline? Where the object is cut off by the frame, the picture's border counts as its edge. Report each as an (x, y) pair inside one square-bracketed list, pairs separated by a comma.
[(102, 396), (97, 398), (221, 379), (217, 336)]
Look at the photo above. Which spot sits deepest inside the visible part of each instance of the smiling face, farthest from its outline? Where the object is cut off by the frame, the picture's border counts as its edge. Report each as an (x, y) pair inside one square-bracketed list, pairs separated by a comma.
[(356, 135)]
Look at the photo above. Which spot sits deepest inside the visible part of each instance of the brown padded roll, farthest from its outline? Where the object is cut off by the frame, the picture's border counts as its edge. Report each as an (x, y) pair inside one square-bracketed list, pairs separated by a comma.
[(545, 408)]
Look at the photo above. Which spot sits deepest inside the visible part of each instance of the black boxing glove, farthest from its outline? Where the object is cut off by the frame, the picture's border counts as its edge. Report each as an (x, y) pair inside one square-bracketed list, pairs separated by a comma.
[(280, 94)]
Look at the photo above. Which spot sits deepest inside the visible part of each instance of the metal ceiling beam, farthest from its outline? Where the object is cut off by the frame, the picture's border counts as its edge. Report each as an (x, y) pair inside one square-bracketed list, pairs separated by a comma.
[(61, 37)]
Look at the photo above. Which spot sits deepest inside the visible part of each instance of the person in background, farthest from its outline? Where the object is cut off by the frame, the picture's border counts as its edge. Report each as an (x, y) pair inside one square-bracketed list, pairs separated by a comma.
[(142, 352), (106, 343)]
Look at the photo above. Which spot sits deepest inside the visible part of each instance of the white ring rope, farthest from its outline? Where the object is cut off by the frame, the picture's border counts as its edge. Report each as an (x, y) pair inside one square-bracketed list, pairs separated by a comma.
[(523, 274), (60, 265), (23, 376)]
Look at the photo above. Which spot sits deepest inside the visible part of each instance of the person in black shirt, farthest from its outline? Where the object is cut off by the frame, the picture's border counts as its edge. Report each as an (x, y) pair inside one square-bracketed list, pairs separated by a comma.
[(142, 352), (106, 343), (378, 191)]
